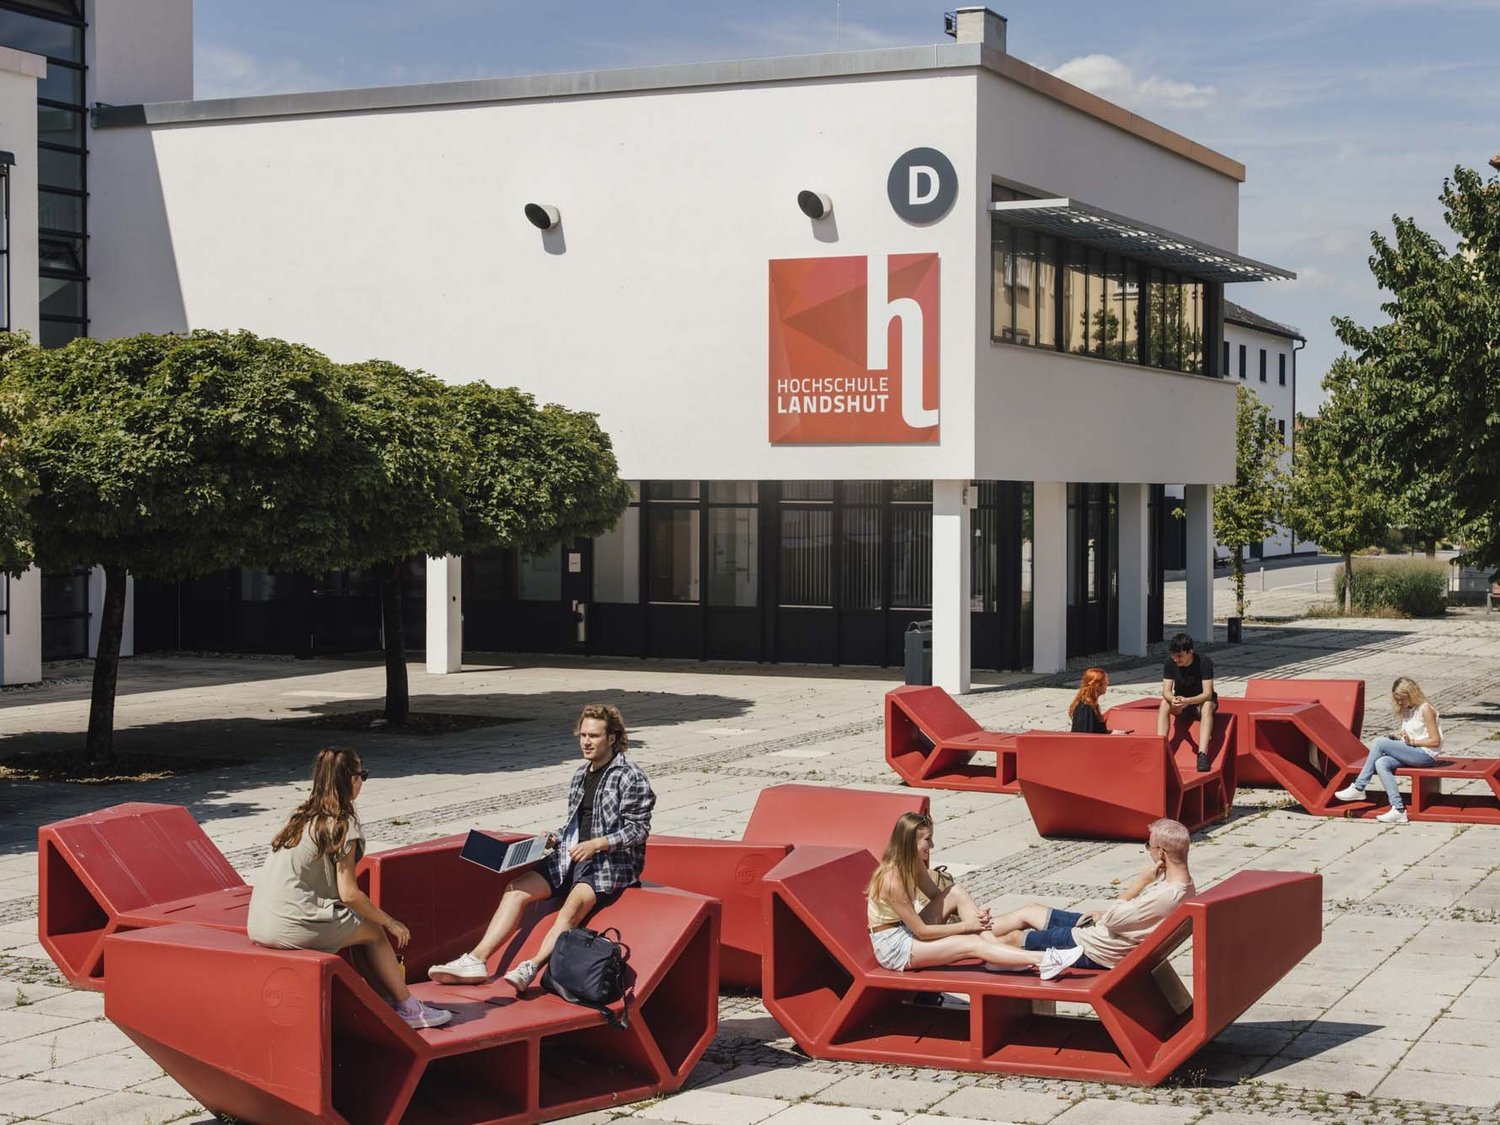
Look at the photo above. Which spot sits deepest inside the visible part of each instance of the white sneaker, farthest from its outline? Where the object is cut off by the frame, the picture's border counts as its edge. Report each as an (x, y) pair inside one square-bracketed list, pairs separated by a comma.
[(421, 1015), (1349, 793), (521, 976), (467, 969), (1393, 816), (1054, 961)]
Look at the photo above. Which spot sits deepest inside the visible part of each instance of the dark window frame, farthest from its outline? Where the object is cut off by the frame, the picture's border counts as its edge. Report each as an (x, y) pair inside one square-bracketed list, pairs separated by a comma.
[(1281, 369), (1244, 360), (1262, 365)]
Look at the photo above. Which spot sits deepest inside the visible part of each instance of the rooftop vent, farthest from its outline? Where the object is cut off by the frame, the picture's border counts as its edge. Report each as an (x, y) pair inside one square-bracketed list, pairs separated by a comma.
[(976, 25)]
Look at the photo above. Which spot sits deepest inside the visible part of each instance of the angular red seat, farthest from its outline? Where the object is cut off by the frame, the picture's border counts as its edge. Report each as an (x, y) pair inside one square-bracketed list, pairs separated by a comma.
[(128, 867), (824, 986), (784, 817), (298, 1036), (1111, 787), (934, 743)]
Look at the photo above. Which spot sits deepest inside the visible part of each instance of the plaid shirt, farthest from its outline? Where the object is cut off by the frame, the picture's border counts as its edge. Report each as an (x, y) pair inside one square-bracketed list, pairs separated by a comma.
[(622, 814)]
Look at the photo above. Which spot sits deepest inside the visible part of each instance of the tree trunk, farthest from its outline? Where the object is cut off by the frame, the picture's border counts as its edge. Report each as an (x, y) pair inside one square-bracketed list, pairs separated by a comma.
[(1431, 548), (1237, 563), (1348, 585), (99, 745), (397, 698)]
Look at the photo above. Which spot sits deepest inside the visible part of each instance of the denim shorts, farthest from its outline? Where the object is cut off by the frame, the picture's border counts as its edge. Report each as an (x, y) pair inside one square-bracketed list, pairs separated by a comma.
[(580, 872), (892, 946), (1058, 934)]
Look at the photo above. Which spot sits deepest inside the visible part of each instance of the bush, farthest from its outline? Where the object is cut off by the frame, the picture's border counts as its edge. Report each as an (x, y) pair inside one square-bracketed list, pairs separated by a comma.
[(1411, 587)]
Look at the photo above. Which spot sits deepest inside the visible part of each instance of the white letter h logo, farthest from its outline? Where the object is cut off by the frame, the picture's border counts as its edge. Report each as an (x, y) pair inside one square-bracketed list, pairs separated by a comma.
[(878, 316)]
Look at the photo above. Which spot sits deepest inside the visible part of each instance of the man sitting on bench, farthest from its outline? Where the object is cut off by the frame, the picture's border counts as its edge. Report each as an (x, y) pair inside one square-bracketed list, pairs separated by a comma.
[(1103, 938), (600, 851), (1187, 693)]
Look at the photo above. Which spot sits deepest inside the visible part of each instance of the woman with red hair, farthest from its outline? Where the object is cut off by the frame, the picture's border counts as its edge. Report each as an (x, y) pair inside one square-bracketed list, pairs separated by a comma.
[(1084, 710)]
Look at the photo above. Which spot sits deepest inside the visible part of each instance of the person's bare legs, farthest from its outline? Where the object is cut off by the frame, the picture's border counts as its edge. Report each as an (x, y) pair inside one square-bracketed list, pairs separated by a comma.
[(955, 900), (1032, 916), (1163, 718), (575, 908), (961, 947), (522, 891), (375, 958), (1206, 725)]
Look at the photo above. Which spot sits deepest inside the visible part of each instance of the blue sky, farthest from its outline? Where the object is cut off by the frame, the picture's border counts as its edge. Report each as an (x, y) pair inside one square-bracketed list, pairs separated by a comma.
[(1343, 111)]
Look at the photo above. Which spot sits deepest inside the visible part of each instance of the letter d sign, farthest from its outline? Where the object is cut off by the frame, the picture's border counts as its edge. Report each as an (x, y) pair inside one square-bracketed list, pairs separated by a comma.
[(922, 185)]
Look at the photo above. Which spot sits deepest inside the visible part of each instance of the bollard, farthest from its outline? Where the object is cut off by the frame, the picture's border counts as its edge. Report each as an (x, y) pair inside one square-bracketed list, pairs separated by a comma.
[(1262, 579), (1315, 580)]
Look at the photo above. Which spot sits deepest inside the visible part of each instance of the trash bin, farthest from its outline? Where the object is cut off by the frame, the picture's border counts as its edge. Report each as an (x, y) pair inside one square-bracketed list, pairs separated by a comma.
[(919, 653), (1235, 626)]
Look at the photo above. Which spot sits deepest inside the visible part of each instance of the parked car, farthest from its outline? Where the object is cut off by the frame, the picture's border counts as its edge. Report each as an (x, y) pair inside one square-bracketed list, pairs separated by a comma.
[(1221, 557)]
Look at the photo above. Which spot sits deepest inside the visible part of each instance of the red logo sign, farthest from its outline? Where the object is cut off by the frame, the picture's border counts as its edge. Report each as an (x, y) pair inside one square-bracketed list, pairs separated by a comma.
[(854, 350)]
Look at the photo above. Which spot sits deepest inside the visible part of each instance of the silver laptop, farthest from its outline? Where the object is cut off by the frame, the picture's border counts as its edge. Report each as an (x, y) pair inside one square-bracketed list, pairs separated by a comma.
[(497, 855)]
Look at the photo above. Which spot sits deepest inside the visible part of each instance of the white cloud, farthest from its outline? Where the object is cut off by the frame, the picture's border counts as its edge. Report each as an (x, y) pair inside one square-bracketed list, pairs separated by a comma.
[(226, 72), (1115, 81)]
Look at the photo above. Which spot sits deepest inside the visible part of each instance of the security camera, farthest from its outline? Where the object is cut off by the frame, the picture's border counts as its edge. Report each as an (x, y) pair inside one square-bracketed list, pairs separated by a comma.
[(814, 204), (543, 216)]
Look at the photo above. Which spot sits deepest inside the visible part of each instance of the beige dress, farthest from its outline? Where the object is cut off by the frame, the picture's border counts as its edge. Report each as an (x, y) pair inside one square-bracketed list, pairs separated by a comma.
[(295, 903)]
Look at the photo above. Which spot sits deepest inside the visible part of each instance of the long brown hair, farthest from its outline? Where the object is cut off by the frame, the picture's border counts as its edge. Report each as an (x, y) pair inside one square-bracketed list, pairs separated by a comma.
[(1095, 680), (901, 859), (329, 809)]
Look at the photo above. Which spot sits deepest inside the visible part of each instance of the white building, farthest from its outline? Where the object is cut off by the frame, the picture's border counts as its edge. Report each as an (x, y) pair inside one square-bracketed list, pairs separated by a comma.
[(954, 395)]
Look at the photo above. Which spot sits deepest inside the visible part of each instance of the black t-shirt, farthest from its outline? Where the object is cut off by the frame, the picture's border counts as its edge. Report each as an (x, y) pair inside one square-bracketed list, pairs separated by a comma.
[(1188, 681), (586, 806), (1087, 721)]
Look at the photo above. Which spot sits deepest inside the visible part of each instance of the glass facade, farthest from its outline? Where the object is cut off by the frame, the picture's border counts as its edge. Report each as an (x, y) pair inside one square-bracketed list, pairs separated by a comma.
[(1064, 296), (55, 29)]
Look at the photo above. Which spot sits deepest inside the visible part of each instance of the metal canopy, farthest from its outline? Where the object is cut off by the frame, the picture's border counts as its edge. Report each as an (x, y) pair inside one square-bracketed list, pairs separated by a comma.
[(1078, 222)]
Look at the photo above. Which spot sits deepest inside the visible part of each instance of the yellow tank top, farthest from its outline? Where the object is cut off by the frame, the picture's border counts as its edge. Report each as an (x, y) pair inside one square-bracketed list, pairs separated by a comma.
[(878, 913)]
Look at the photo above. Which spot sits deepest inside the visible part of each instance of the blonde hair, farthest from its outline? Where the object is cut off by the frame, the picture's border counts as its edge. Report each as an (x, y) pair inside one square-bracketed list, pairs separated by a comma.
[(900, 861), (614, 724), (1408, 689), (1172, 837)]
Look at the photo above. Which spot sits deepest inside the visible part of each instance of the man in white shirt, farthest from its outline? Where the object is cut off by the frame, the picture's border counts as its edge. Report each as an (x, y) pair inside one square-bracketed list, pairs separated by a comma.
[(1103, 938)]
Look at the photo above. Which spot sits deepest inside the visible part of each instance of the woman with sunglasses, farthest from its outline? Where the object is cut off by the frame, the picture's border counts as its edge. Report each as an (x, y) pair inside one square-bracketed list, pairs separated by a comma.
[(307, 896)]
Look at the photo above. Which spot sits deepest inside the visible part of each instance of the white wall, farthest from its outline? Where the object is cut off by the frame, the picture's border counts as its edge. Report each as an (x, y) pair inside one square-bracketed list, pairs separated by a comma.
[(1273, 394), (21, 638), (401, 235), (139, 51)]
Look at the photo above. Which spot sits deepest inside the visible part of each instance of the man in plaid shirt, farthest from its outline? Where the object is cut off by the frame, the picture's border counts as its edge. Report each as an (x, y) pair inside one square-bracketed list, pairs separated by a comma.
[(598, 853)]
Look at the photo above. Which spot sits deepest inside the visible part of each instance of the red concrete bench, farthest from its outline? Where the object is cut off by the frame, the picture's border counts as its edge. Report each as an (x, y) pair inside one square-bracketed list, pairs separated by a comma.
[(123, 868), (1111, 787), (299, 1036), (1313, 755), (824, 986), (784, 817), (934, 743)]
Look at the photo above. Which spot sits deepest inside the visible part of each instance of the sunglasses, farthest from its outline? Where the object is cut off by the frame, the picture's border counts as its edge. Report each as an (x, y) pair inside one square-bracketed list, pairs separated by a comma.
[(363, 775)]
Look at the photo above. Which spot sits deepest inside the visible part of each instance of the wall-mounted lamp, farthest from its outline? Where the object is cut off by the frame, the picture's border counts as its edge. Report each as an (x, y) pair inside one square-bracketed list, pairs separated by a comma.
[(814, 204), (543, 216)]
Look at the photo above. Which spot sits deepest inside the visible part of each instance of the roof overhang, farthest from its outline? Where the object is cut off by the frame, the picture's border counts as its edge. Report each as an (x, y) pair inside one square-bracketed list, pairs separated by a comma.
[(1103, 230)]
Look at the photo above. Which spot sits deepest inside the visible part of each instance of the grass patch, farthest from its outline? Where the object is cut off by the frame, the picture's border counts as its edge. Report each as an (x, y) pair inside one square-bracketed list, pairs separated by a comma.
[(121, 770), (425, 723)]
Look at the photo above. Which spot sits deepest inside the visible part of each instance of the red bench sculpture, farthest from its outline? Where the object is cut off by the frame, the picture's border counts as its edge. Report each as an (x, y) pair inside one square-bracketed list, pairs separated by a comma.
[(932, 743), (1312, 755), (784, 817), (298, 1036), (1111, 787), (823, 985), (126, 868)]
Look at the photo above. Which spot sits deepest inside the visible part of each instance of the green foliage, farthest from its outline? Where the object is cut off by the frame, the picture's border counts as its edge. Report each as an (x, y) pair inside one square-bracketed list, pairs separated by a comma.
[(1248, 510), (16, 487), (538, 477), (1411, 587), (1429, 378)]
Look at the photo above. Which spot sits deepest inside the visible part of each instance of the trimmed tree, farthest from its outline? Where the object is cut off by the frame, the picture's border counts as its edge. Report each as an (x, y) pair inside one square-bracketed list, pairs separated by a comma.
[(15, 488), (1247, 511), (1333, 498), (1429, 379), (175, 456)]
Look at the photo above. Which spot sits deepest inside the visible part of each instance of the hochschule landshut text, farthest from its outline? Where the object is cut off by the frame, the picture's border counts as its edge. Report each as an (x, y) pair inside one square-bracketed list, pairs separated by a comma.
[(859, 394)]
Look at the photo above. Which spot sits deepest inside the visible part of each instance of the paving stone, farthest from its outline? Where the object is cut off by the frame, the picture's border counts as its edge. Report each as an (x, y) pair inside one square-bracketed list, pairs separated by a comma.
[(1431, 1086), (709, 1107), (810, 1113), (25, 1097), (1109, 1111), (1004, 1104), (125, 1108), (885, 1093), (19, 1023), (786, 1082)]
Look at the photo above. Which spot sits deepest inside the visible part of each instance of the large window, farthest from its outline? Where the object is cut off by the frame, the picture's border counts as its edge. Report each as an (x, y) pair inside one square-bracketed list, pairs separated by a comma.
[(733, 543), (1056, 294), (674, 541), (617, 557), (55, 29), (861, 555), (911, 544)]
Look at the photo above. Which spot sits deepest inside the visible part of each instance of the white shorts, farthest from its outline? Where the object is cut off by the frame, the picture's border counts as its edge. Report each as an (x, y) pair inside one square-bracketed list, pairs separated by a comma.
[(893, 946)]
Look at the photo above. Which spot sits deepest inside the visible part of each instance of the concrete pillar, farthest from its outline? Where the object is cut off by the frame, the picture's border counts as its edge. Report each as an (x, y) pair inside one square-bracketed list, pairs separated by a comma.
[(1135, 567), (445, 617), (1049, 582), (21, 641), (952, 555), (1199, 561)]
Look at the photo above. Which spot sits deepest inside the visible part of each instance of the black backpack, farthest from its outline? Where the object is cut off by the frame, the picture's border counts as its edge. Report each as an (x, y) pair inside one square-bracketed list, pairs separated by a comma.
[(588, 968)]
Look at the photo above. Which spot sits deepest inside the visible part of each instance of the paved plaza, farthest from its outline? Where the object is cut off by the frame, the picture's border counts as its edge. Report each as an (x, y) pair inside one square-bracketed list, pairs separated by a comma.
[(1396, 1017)]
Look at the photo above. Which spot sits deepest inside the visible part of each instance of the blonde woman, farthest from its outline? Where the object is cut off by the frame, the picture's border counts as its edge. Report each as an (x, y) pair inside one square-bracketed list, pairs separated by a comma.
[(906, 913), (1411, 744)]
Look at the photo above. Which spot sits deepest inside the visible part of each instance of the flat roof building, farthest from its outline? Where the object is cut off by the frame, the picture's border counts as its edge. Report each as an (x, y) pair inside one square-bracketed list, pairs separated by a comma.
[(879, 336)]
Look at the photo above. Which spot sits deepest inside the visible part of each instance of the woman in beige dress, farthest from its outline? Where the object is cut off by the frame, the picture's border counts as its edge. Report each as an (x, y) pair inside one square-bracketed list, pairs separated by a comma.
[(307, 896)]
